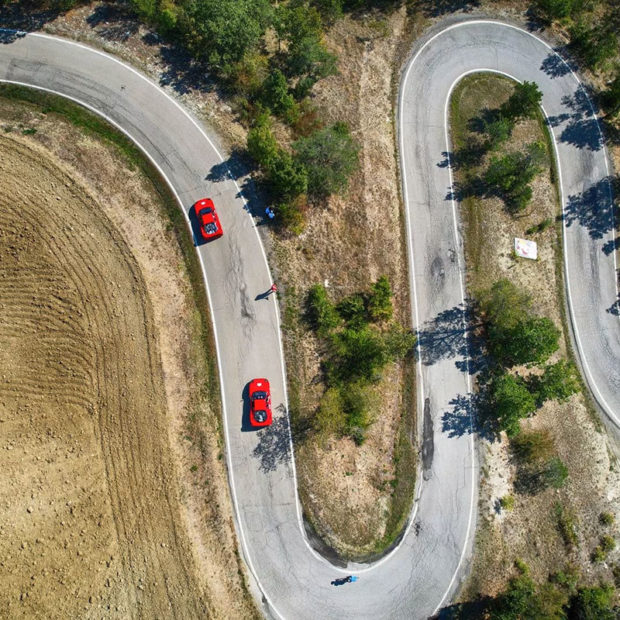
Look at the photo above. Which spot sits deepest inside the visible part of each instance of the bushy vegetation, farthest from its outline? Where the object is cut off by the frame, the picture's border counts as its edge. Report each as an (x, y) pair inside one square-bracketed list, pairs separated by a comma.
[(360, 340), (514, 337), (559, 598), (510, 175)]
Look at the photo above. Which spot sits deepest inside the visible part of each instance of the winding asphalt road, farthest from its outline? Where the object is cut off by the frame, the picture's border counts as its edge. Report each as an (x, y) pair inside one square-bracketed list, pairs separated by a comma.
[(289, 579)]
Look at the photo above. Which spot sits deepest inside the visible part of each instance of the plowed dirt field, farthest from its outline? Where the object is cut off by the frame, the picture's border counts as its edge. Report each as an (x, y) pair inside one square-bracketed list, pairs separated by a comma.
[(102, 478)]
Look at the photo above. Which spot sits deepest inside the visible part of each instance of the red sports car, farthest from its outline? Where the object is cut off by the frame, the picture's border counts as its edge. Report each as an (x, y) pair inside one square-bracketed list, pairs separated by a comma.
[(260, 402), (210, 227)]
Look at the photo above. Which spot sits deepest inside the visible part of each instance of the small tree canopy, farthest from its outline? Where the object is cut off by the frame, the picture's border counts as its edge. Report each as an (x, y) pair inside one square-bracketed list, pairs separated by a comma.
[(595, 603), (511, 401), (380, 300), (559, 382), (262, 145), (330, 156), (531, 341), (222, 31), (524, 101)]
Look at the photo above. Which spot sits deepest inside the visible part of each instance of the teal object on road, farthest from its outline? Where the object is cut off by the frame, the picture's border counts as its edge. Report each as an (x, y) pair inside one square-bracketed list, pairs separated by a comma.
[(354, 578)]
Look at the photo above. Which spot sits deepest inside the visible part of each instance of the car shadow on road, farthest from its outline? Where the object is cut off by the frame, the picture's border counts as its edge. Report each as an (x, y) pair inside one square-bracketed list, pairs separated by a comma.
[(274, 447)]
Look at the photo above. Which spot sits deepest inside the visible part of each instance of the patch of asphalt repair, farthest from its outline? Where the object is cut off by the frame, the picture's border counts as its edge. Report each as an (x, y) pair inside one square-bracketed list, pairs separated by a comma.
[(428, 447)]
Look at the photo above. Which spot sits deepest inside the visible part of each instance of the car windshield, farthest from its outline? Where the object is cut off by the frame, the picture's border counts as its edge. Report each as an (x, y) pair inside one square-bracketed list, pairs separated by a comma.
[(206, 210), (259, 396), (260, 415)]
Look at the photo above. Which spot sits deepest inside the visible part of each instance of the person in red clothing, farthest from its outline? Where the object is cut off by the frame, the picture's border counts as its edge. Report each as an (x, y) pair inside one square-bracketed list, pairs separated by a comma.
[(273, 289)]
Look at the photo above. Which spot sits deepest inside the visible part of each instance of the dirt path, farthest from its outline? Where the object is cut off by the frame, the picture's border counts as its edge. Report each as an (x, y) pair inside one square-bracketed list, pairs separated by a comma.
[(108, 446)]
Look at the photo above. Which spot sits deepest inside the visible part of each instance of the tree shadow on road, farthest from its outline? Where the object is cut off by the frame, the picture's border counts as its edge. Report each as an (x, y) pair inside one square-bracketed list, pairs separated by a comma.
[(593, 209), (274, 447), (470, 414), (453, 333), (555, 65)]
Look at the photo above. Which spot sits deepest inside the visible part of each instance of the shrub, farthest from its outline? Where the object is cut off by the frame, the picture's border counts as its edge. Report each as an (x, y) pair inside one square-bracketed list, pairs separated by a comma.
[(507, 502), (511, 402), (558, 382), (262, 145), (536, 478), (532, 446), (606, 518), (568, 531), (596, 603), (554, 473), (607, 543), (291, 214), (568, 578), (330, 156), (504, 305), (540, 227), (380, 300), (330, 418), (320, 311), (399, 341)]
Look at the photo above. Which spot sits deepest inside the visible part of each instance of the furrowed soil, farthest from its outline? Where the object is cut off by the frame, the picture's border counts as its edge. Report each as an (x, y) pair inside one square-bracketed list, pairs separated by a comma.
[(113, 499), (531, 530)]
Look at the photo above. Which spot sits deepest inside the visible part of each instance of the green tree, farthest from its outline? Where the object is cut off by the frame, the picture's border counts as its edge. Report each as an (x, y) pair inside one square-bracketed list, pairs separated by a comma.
[(276, 96), (353, 309), (221, 32), (511, 401), (380, 300), (287, 177), (499, 129), (262, 145), (531, 341), (320, 311), (524, 101), (358, 353), (594, 603), (611, 96), (518, 600), (330, 156), (504, 305), (596, 44), (399, 341), (510, 175), (558, 382), (550, 10)]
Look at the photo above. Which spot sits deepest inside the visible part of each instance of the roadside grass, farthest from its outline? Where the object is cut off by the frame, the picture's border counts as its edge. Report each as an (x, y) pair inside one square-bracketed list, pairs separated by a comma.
[(95, 126)]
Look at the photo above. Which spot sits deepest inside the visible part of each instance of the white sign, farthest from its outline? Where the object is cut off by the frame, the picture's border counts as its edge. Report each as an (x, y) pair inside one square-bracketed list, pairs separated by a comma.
[(525, 248)]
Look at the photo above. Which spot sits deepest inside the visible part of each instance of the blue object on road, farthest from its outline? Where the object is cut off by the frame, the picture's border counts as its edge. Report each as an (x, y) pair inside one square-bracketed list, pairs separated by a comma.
[(353, 578)]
